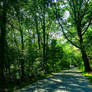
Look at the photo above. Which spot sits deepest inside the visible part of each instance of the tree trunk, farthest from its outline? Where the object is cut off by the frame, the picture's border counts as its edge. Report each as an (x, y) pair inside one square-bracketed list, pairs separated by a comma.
[(83, 51), (44, 40), (86, 61), (3, 39), (22, 58), (38, 33), (36, 21), (20, 19)]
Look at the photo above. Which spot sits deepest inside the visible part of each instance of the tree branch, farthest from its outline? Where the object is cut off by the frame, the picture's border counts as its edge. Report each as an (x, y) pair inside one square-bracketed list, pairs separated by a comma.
[(85, 9), (86, 27), (63, 29), (66, 35)]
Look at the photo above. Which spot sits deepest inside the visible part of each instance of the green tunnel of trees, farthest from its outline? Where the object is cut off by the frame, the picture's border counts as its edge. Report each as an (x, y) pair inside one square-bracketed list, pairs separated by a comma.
[(43, 36)]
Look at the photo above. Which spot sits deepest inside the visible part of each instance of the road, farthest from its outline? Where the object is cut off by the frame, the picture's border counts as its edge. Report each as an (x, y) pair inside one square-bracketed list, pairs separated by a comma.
[(67, 81)]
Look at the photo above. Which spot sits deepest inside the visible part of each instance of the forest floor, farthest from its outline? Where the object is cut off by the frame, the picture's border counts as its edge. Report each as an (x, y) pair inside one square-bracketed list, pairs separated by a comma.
[(67, 81)]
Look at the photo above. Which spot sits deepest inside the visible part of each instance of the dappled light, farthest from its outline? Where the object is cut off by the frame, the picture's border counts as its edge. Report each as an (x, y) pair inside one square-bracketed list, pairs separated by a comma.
[(41, 44), (68, 81)]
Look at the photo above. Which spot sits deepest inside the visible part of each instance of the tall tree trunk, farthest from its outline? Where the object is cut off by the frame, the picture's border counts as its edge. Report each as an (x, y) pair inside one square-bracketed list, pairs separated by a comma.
[(38, 34), (19, 15), (44, 42), (3, 39), (86, 61), (22, 58), (83, 52), (47, 47), (36, 21)]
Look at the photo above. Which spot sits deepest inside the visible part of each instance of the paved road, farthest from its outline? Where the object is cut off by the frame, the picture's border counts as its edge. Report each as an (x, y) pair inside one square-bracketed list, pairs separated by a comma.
[(67, 81)]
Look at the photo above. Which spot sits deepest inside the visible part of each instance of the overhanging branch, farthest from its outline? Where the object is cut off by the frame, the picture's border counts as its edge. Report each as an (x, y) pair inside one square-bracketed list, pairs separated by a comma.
[(63, 29), (66, 35), (86, 27)]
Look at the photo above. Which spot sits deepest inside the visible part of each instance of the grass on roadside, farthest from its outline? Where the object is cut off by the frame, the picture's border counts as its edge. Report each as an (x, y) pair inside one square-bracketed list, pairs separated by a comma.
[(88, 75)]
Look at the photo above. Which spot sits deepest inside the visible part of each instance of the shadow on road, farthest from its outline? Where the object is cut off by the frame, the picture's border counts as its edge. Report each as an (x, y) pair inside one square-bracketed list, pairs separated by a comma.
[(67, 81)]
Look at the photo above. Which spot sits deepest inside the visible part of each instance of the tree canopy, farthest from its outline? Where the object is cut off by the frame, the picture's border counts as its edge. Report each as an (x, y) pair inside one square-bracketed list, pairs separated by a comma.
[(39, 37)]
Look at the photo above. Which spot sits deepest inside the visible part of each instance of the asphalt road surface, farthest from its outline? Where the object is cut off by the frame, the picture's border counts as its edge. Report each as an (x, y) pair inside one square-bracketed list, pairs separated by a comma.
[(66, 81)]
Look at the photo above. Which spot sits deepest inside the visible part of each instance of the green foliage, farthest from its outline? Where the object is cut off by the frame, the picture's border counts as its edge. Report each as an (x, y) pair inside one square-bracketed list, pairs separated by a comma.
[(30, 37)]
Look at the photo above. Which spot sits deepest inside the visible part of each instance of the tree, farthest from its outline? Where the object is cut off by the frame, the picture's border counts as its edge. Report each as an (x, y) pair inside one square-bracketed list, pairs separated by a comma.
[(80, 18), (3, 42)]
